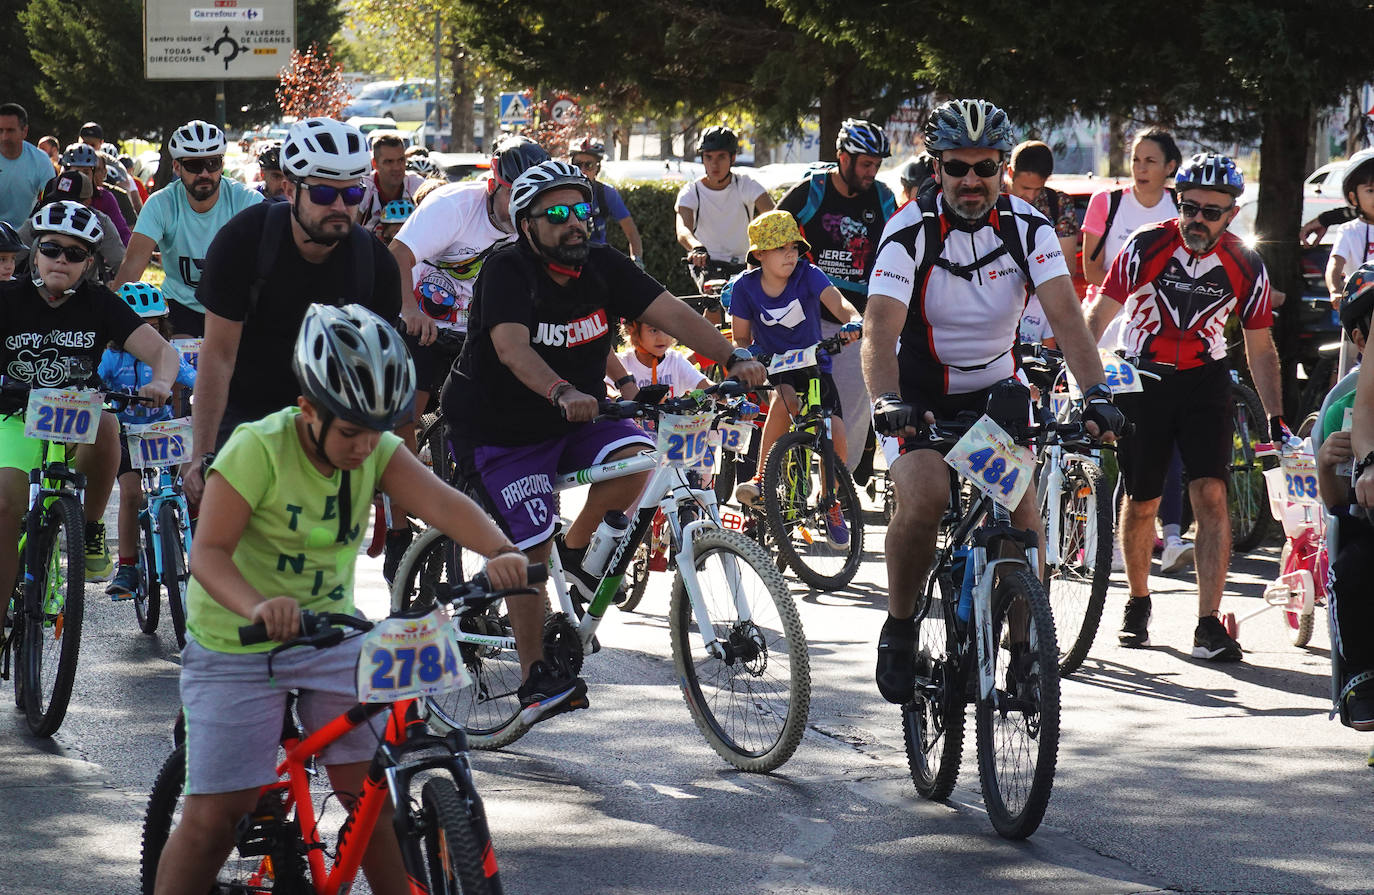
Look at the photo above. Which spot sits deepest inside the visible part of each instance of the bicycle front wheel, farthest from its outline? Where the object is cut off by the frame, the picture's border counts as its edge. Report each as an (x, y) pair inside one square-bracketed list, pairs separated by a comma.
[(813, 512), (933, 722), (1018, 726), (747, 681), (453, 860), (174, 574), (148, 597), (1247, 496), (1077, 583), (53, 614), (486, 711)]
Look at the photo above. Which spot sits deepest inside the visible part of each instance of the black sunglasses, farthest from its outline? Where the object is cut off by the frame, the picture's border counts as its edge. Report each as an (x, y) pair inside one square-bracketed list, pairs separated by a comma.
[(323, 194), (74, 254), (202, 165), (1208, 212), (955, 168), (558, 214)]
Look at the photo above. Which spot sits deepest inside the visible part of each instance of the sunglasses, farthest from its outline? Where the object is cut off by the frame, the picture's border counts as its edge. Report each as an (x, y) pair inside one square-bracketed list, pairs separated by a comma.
[(202, 165), (558, 214), (323, 194), (1208, 212), (74, 254), (986, 168)]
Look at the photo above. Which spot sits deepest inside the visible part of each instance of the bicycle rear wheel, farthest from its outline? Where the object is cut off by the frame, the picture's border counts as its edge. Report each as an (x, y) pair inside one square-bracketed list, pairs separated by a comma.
[(486, 710), (174, 574), (148, 597), (453, 859), (933, 722), (1018, 727), (750, 695), (1247, 496), (799, 499), (1077, 584), (53, 615)]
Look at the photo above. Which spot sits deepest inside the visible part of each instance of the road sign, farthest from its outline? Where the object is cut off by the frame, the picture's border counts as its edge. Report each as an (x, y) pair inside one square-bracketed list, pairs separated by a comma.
[(214, 40), (515, 108)]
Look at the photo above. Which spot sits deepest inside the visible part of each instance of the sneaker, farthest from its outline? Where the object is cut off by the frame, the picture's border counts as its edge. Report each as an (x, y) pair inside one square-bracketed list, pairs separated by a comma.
[(1210, 641), (546, 693), (896, 672), (125, 583), (1118, 558), (1359, 707), (1177, 556), (836, 531), (1135, 626), (98, 564), (748, 493), (397, 542)]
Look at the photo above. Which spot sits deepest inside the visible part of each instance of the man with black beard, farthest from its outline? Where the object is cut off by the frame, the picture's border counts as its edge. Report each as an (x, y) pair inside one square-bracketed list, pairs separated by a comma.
[(1180, 281), (842, 213), (268, 265), (182, 218), (521, 402), (953, 272)]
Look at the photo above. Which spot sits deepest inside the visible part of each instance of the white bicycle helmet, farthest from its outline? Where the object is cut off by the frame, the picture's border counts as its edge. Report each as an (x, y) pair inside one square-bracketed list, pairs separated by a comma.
[(325, 147), (70, 219), (353, 364), (196, 139), (540, 179)]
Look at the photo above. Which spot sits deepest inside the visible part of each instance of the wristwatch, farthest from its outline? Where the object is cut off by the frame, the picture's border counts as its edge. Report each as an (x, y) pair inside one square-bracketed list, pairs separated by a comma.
[(739, 354)]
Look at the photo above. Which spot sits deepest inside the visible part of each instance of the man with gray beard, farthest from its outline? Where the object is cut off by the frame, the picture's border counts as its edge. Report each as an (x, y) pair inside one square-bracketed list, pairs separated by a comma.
[(953, 273), (1180, 281)]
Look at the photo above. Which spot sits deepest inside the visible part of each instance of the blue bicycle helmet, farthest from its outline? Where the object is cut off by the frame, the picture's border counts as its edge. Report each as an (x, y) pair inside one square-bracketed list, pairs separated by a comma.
[(859, 137), (145, 299), (1206, 171)]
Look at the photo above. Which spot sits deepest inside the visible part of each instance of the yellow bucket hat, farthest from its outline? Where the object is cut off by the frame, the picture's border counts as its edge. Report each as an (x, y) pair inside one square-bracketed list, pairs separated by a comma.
[(773, 230)]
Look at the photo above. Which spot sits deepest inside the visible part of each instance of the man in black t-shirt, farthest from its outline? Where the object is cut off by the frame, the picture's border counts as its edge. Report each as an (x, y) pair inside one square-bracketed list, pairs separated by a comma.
[(521, 401), (842, 212), (268, 265)]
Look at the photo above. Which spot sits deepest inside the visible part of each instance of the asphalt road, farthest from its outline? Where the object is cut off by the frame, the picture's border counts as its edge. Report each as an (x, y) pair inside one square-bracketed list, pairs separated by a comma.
[(1173, 775)]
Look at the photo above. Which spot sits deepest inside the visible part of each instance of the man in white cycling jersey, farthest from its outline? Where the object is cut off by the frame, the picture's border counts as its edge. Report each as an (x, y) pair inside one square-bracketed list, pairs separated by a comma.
[(952, 277), (182, 219)]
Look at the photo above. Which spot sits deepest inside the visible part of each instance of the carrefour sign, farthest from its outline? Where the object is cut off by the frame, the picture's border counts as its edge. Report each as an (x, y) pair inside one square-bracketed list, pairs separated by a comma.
[(213, 40)]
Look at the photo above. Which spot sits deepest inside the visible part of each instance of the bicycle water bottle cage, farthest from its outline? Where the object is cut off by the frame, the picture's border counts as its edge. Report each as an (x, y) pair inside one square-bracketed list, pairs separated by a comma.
[(1009, 406)]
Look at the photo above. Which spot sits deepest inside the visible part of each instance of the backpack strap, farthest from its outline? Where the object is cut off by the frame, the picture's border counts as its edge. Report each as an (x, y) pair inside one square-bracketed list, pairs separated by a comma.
[(274, 229), (814, 195), (1113, 203)]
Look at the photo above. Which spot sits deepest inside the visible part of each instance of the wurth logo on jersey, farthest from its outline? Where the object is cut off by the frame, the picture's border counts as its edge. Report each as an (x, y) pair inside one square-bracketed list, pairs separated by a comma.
[(574, 332)]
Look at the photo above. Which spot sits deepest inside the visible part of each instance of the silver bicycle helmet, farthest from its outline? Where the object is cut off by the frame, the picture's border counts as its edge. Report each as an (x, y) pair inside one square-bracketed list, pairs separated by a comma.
[(196, 139), (540, 179), (78, 155), (325, 147), (70, 219), (353, 365), (968, 124)]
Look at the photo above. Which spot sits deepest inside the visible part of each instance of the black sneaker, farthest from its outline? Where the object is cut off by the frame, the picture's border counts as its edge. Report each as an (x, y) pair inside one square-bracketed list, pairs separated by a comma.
[(397, 542), (1135, 626), (1210, 641), (546, 693), (896, 672)]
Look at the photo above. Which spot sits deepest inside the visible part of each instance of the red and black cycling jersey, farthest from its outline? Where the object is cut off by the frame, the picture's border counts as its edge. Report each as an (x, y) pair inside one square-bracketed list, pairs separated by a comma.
[(1177, 303)]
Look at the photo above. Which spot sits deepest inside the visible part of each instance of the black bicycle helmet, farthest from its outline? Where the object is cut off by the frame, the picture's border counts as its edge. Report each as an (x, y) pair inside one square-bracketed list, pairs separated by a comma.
[(9, 239), (513, 156), (968, 124), (718, 136)]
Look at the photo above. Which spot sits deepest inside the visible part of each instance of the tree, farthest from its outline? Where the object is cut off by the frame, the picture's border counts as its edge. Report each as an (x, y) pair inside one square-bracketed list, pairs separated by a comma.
[(311, 85)]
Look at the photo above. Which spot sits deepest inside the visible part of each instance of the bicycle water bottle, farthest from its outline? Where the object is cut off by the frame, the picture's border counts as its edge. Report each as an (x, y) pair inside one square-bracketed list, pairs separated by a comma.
[(611, 530)]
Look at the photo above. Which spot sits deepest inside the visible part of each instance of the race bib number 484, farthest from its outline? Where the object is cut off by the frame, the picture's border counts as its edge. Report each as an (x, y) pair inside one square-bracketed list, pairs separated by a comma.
[(989, 458)]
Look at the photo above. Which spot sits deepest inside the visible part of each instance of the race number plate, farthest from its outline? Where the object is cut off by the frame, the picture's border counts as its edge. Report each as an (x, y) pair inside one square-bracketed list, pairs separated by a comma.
[(60, 414), (683, 439), (798, 359), (189, 349), (1300, 477), (989, 458), (164, 443), (407, 658), (734, 435)]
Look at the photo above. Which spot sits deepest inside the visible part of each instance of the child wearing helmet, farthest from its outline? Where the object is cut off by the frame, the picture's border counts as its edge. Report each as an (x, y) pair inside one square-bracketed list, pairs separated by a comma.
[(121, 371), (1354, 239), (776, 307), (285, 504)]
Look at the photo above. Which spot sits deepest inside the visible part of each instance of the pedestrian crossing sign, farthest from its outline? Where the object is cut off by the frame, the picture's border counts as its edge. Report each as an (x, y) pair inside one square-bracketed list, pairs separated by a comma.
[(515, 108)]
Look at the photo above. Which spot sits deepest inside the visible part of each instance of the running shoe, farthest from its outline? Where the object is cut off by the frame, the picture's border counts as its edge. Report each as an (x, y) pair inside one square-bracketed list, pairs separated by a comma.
[(98, 564), (1210, 641), (896, 671), (124, 584), (546, 693), (1135, 626), (1177, 556), (836, 531)]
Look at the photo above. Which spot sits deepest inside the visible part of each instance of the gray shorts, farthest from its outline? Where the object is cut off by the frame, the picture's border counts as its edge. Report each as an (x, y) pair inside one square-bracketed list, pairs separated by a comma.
[(234, 713)]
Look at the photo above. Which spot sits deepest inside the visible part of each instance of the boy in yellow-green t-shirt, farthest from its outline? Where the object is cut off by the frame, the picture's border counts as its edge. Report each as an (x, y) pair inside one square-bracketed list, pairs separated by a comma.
[(285, 505)]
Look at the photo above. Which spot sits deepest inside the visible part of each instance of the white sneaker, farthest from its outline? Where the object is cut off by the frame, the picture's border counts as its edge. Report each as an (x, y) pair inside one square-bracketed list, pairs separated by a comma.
[(1177, 556), (1118, 558)]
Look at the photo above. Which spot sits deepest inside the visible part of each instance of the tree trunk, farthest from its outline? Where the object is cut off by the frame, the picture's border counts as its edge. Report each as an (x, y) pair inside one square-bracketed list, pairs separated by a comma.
[(460, 110), (1283, 154), (1117, 165)]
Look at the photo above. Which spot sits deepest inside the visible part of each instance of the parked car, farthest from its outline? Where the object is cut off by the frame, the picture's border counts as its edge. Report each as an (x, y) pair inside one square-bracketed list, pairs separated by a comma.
[(400, 100)]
